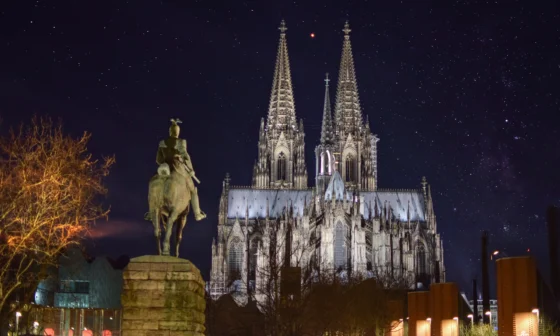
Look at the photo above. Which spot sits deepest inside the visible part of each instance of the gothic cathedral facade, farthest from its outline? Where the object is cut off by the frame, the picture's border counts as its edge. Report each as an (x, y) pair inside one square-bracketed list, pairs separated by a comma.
[(345, 223)]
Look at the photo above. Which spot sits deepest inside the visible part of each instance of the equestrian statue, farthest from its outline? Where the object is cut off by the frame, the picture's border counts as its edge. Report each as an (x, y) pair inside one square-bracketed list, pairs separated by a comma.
[(172, 192)]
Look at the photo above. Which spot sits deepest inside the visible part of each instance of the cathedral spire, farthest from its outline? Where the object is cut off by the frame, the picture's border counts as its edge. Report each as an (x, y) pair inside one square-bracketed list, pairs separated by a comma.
[(281, 111), (348, 113), (327, 134)]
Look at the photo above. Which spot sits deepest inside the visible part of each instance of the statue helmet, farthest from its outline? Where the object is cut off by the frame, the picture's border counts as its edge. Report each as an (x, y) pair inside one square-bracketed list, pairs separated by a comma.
[(174, 129)]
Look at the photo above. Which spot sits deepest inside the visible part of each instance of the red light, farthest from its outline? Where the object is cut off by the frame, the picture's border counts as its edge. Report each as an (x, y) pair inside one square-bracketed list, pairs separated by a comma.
[(528, 250), (312, 35)]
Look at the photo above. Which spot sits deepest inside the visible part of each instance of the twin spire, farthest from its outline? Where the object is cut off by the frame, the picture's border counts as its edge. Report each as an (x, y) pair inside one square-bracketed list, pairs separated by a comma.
[(347, 114), (281, 110)]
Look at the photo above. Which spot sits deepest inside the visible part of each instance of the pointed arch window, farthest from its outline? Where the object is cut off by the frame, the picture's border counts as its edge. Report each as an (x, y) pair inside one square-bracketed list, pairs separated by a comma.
[(340, 250), (350, 169), (322, 164), (329, 163), (235, 259), (253, 257), (281, 166), (421, 259)]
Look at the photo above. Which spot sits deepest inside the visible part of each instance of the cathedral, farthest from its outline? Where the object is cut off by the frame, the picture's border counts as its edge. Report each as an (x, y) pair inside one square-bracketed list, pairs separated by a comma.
[(345, 223)]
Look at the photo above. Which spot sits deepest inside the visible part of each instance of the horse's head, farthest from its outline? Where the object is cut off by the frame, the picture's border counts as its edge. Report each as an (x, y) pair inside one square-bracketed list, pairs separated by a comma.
[(164, 170)]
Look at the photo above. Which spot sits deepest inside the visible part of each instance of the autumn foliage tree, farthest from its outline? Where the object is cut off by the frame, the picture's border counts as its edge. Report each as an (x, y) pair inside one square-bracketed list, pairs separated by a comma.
[(50, 188)]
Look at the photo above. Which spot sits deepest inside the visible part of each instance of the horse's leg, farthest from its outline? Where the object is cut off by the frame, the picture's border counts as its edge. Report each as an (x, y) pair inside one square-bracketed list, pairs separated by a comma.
[(168, 230), (162, 225), (155, 221), (180, 226)]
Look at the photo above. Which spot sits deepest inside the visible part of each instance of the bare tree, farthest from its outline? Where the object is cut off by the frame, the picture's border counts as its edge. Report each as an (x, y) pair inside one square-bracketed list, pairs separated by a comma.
[(351, 304), (284, 257), (321, 301), (49, 194)]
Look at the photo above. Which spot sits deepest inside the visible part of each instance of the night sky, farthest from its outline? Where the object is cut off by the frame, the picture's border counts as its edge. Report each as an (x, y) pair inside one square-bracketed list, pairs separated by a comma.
[(463, 92)]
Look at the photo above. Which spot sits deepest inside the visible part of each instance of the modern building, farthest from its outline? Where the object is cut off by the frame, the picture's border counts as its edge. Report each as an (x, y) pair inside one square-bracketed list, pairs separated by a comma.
[(345, 223), (81, 294), (82, 282), (493, 311)]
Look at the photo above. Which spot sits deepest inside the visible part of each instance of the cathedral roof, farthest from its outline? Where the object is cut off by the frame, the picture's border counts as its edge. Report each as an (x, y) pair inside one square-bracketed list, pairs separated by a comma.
[(255, 201), (336, 188), (398, 201)]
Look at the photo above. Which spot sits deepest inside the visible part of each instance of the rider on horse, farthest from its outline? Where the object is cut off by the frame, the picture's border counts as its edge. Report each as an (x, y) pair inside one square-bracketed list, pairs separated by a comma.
[(172, 156)]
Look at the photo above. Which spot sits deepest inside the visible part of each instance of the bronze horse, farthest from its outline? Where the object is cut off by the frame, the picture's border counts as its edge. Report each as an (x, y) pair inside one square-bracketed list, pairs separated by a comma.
[(169, 201)]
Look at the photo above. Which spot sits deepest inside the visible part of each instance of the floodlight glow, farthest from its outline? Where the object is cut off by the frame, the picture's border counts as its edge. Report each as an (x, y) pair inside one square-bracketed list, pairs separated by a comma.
[(488, 313), (535, 311), (18, 314), (470, 316)]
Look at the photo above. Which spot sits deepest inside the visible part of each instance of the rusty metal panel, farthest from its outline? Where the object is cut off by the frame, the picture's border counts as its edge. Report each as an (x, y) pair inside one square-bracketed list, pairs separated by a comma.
[(525, 324), (418, 312), (444, 305), (397, 314), (422, 328), (517, 291), (449, 327)]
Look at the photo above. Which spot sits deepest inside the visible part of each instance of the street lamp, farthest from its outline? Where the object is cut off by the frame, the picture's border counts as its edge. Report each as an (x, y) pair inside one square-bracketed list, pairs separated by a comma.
[(489, 316), (18, 315), (456, 319), (472, 319), (536, 311), (495, 254)]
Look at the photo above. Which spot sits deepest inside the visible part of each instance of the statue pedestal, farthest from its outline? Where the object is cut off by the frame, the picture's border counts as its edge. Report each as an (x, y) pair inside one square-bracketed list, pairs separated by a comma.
[(162, 296)]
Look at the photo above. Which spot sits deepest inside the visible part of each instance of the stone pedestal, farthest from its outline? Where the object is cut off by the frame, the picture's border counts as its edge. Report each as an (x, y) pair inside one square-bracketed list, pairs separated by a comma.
[(162, 296)]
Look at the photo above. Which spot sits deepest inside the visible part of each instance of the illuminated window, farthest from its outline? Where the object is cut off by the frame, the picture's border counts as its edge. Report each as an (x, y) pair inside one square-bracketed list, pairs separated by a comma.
[(330, 162), (350, 169), (281, 167), (235, 259), (71, 286), (340, 253)]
